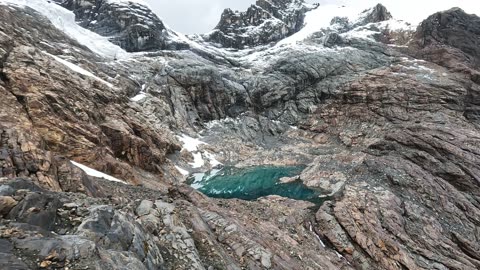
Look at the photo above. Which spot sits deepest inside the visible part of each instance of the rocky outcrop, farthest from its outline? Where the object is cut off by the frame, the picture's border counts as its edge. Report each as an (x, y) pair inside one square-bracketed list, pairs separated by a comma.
[(375, 23), (150, 230), (79, 116), (130, 24), (403, 184), (379, 13), (450, 39), (416, 175), (262, 23)]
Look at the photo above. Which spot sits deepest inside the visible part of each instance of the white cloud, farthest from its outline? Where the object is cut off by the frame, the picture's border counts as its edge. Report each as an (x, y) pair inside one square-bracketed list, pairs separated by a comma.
[(200, 16), (194, 16)]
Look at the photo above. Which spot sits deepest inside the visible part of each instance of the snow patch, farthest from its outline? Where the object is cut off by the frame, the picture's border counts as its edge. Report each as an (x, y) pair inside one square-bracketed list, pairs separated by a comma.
[(78, 69), (316, 235), (182, 171), (95, 173), (424, 68), (264, 58), (214, 123), (189, 143), (199, 177), (360, 33), (319, 19), (397, 25), (211, 159), (198, 160), (139, 97)]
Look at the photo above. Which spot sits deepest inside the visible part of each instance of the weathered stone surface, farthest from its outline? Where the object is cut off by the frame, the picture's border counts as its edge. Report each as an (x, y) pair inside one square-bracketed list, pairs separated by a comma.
[(131, 25), (144, 208), (379, 13), (90, 132), (262, 23), (457, 30), (36, 209), (10, 262), (6, 204)]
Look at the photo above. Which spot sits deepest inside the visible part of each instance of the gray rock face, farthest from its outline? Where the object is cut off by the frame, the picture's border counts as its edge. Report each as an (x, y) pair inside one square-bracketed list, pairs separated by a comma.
[(450, 28), (26, 155), (37, 210), (262, 23), (379, 13), (9, 262), (131, 25), (451, 39)]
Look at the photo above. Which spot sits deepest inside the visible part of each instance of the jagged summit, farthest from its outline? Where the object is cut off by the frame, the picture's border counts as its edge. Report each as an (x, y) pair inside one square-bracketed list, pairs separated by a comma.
[(450, 27), (271, 21), (376, 14), (260, 24), (133, 26), (130, 24), (379, 13), (331, 25)]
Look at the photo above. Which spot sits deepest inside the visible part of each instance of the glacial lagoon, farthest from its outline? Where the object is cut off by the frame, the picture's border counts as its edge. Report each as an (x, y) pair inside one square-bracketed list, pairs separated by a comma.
[(251, 183)]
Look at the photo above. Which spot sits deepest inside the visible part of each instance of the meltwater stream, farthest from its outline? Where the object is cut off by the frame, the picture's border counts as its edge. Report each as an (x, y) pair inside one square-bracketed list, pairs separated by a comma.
[(252, 183)]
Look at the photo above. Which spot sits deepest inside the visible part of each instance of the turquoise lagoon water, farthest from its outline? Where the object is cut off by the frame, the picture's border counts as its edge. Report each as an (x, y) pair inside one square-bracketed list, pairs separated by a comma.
[(252, 183)]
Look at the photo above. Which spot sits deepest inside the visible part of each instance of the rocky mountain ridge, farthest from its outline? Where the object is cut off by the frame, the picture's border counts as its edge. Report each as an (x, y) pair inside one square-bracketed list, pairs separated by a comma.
[(262, 23), (384, 117), (130, 24)]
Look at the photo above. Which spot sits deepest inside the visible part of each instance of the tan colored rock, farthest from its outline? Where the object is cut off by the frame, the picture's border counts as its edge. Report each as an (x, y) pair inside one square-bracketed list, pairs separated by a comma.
[(6, 204), (45, 264), (285, 180), (321, 138)]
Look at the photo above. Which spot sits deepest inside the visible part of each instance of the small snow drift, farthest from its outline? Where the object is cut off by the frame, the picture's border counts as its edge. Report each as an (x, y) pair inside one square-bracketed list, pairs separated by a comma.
[(182, 171), (189, 143), (95, 173), (139, 97), (78, 69)]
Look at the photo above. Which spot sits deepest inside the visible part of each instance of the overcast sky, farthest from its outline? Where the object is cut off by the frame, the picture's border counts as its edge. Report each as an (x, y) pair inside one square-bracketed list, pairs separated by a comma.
[(200, 16)]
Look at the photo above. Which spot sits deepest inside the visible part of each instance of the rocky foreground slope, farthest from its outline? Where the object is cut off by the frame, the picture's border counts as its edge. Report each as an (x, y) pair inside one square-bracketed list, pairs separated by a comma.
[(384, 115)]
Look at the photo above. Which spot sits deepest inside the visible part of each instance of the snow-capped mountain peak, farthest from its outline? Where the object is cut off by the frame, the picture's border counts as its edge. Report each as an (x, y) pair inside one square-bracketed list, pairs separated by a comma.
[(131, 24), (262, 23)]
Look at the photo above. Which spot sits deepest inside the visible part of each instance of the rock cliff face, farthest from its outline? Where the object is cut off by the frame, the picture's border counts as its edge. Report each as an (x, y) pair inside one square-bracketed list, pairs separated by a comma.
[(385, 119), (446, 31), (129, 24), (379, 13), (262, 23)]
